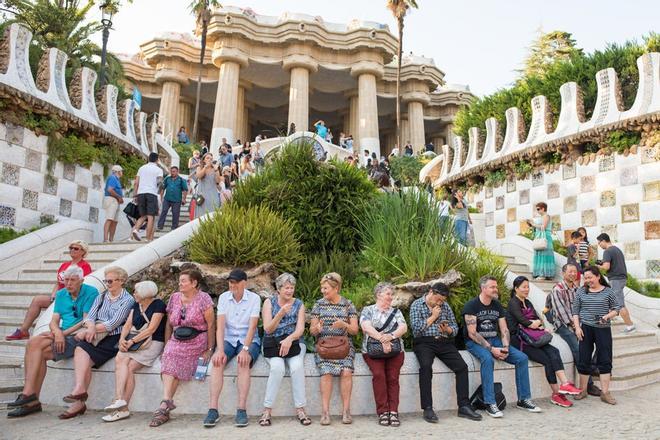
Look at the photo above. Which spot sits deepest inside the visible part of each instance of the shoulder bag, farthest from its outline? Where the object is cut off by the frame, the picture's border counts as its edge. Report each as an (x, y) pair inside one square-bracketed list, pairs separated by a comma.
[(271, 345), (534, 337), (333, 347), (139, 345), (539, 244), (375, 347)]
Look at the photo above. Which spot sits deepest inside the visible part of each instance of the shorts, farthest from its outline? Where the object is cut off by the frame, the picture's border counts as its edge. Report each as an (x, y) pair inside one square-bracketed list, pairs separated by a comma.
[(147, 204), (70, 344), (231, 351), (111, 207), (617, 288)]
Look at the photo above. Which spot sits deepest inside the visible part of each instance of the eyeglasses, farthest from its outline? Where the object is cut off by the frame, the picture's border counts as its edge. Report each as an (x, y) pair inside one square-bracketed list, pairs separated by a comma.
[(75, 248), (110, 281)]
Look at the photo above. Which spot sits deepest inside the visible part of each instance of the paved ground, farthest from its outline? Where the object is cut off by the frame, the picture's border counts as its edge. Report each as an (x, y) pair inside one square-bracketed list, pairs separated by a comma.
[(635, 417)]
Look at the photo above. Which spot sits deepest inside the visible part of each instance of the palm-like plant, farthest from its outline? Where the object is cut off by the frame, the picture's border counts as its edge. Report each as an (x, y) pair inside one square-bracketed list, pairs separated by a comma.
[(399, 9), (202, 11)]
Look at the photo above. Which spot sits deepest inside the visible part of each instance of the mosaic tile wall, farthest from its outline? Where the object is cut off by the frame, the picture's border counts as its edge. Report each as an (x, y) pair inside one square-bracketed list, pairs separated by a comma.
[(615, 194), (26, 190)]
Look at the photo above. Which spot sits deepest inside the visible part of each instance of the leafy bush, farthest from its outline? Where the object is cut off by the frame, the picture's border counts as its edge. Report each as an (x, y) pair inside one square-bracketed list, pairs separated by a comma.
[(239, 236), (406, 169), (323, 200), (185, 152), (522, 168), (620, 140), (40, 124), (8, 234), (648, 288), (495, 178), (313, 267)]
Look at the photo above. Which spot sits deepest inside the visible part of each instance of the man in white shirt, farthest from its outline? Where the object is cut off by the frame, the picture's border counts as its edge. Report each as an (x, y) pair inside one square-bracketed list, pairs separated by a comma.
[(147, 181), (238, 315)]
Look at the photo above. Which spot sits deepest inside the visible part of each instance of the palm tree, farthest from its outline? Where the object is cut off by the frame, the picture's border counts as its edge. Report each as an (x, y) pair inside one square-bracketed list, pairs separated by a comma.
[(202, 11), (399, 9)]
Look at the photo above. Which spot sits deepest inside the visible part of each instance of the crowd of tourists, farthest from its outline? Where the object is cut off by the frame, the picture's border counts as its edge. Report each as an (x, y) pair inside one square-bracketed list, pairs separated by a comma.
[(190, 335)]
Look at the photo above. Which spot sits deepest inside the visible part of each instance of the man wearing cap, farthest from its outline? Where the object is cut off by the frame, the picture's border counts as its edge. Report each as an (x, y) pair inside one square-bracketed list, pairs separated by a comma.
[(112, 200), (236, 333), (434, 329)]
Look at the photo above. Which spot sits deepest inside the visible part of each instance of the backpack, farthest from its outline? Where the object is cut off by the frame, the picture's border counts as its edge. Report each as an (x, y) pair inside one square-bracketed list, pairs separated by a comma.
[(477, 399)]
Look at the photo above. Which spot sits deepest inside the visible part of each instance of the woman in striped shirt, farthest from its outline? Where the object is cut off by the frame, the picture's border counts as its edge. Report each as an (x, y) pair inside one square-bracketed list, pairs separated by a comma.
[(98, 341), (593, 308)]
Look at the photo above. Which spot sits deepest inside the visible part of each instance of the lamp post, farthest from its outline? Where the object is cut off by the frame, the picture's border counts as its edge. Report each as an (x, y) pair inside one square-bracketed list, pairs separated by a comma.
[(107, 9)]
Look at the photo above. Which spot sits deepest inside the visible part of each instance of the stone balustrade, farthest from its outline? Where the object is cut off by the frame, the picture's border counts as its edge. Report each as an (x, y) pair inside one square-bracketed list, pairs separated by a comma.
[(572, 125), (77, 102)]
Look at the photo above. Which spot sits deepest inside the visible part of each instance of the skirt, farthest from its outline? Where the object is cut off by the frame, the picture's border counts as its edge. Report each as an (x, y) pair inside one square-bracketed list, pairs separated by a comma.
[(103, 352), (146, 356)]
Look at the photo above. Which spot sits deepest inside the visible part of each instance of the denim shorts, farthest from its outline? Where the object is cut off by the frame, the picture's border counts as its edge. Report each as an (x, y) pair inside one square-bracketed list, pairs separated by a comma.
[(233, 351), (70, 344)]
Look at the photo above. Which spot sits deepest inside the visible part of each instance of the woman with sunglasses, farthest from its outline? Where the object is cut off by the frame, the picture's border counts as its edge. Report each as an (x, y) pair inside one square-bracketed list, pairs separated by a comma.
[(77, 250), (99, 337), (543, 265), (191, 309)]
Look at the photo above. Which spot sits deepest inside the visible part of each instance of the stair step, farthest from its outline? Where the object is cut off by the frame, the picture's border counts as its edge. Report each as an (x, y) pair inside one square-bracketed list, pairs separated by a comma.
[(635, 340), (631, 356), (14, 385), (18, 300), (118, 246), (518, 268), (634, 376), (12, 312), (54, 264), (14, 349)]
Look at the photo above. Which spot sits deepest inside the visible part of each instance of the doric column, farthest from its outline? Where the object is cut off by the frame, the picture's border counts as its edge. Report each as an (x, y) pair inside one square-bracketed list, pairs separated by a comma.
[(405, 130), (416, 102), (230, 61), (367, 72), (185, 116), (299, 67), (239, 130), (353, 118), (169, 100)]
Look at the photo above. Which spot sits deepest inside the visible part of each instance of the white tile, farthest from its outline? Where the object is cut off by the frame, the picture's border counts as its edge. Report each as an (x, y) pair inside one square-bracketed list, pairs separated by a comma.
[(649, 249), (27, 218), (10, 195), (648, 172), (12, 153), (49, 204), (609, 216), (649, 211), (80, 211), (34, 142), (630, 232), (588, 200), (31, 180), (626, 195), (83, 176), (67, 189)]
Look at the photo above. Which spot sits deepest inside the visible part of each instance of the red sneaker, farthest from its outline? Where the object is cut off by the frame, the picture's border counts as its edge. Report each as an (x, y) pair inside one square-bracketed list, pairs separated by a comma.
[(17, 335), (569, 388), (561, 400)]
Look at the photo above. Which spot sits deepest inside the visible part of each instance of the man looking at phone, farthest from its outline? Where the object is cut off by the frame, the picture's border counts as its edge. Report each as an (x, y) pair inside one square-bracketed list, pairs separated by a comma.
[(434, 328), (484, 315)]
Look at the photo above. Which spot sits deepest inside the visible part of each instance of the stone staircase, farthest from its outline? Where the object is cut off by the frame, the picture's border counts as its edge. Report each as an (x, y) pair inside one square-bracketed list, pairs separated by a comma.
[(636, 359), (37, 278)]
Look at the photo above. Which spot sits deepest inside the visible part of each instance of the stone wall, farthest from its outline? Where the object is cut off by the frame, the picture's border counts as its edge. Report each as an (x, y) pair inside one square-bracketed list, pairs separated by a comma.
[(616, 194), (28, 191)]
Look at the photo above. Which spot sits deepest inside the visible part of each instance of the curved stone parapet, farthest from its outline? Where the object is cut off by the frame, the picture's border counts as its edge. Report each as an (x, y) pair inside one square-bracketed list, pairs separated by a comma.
[(608, 112), (78, 99)]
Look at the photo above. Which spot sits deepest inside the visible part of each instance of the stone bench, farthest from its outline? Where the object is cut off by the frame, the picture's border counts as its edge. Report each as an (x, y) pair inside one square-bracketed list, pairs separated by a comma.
[(192, 397)]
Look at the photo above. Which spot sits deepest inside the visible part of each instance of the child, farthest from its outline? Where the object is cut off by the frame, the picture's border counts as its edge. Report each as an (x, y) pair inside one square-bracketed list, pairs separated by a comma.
[(573, 254), (584, 250)]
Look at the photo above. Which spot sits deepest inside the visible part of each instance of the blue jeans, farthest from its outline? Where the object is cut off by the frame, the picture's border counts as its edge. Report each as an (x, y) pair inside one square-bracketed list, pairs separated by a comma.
[(570, 338), (515, 357), (461, 228)]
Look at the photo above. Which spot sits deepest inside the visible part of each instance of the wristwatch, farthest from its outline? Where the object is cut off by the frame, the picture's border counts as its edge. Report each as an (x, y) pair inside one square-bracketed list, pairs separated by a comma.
[(246, 348)]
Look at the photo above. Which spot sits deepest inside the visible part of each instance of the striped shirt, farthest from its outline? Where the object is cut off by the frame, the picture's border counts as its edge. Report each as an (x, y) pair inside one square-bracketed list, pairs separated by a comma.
[(591, 306), (583, 250), (561, 300), (112, 314), (420, 312)]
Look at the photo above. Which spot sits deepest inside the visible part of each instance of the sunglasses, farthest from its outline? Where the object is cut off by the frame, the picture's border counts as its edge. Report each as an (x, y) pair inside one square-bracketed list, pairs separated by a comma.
[(182, 315), (75, 248), (109, 281)]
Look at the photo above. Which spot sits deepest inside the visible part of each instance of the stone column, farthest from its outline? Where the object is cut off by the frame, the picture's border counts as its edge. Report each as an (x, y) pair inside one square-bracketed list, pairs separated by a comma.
[(405, 130), (353, 118), (367, 72), (246, 123), (229, 61), (299, 67), (239, 130), (416, 120), (449, 135), (185, 116), (171, 81)]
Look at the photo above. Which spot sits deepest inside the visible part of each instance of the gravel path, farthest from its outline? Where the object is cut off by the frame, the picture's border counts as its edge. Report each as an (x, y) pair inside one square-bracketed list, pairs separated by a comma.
[(634, 417)]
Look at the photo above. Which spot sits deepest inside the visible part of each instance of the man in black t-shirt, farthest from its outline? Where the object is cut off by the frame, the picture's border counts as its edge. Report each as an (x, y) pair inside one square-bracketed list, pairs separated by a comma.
[(617, 274), (484, 316)]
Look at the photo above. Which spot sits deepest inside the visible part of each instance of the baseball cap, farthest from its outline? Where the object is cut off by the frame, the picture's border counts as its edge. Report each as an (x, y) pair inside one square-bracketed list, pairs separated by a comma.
[(237, 275), (116, 168), (440, 288)]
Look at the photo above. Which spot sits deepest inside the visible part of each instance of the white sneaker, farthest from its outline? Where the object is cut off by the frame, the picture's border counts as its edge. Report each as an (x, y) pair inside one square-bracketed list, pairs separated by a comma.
[(117, 415), (493, 411), (629, 329), (117, 404)]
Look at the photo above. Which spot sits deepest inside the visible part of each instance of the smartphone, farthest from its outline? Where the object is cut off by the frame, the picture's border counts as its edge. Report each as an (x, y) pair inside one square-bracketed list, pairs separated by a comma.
[(202, 368), (444, 322)]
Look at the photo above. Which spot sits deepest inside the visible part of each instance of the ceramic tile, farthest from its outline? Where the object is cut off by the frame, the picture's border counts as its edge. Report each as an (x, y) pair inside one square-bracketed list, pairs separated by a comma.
[(69, 172), (607, 198), (631, 250), (588, 183), (589, 218), (65, 207), (652, 230), (570, 204), (606, 163), (50, 185), (537, 179), (568, 171), (511, 215), (652, 268), (652, 191), (524, 197), (553, 191), (10, 174), (490, 218), (30, 199), (499, 231), (81, 194), (93, 214), (499, 202), (612, 231), (630, 213), (7, 216), (629, 176), (510, 185)]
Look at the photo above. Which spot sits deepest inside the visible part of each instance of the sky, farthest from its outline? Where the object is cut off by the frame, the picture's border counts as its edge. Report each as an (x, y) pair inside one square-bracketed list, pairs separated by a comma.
[(480, 43)]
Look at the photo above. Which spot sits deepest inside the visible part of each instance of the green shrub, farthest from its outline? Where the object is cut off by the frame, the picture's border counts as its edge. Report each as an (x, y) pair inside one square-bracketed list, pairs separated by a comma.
[(40, 124), (185, 152), (251, 236), (406, 169), (313, 267), (495, 178), (8, 234), (323, 200), (647, 288), (620, 140)]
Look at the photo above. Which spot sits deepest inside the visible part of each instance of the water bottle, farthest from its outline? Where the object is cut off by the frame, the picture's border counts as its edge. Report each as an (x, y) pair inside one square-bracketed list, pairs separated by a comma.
[(202, 367)]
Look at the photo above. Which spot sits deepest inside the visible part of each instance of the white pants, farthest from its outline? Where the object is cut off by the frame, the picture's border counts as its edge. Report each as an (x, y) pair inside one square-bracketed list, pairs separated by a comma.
[(296, 366)]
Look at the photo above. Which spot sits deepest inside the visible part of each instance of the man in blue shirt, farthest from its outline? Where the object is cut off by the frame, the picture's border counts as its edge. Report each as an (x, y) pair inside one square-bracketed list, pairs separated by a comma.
[(226, 157), (71, 305), (321, 129), (172, 195), (112, 201)]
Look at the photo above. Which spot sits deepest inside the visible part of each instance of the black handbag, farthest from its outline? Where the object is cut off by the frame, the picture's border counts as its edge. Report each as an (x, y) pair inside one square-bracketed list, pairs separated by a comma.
[(186, 333), (131, 210), (477, 399), (271, 347), (375, 347)]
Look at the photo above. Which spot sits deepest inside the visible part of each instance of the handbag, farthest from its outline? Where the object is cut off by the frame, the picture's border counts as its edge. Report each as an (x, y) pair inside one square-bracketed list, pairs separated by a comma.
[(533, 337), (131, 210), (139, 345), (199, 199), (186, 333), (271, 347), (333, 347), (477, 399), (539, 244), (375, 347)]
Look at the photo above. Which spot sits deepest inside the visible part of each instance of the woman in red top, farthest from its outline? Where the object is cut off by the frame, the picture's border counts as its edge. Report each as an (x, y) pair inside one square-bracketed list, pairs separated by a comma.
[(78, 250)]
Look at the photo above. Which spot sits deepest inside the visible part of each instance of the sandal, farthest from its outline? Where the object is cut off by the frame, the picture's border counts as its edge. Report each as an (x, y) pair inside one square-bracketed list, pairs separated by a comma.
[(325, 419), (303, 419), (69, 415), (161, 416), (394, 419), (384, 419), (72, 398), (346, 418), (265, 419)]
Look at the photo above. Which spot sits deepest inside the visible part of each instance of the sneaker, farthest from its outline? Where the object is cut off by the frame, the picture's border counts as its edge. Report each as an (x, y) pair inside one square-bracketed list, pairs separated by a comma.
[(430, 415), (241, 419), (135, 235), (117, 404), (528, 405), (593, 390), (212, 418), (629, 329), (560, 400), (569, 388), (608, 398), (116, 415), (17, 335), (493, 411)]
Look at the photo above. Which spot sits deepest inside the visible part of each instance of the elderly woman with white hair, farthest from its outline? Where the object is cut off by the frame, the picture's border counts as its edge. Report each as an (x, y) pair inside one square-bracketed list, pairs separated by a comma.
[(283, 318), (100, 337), (141, 342)]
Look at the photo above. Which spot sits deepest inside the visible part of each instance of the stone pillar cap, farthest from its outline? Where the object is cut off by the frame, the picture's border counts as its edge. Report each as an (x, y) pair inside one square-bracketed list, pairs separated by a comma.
[(171, 75), (299, 60), (371, 67), (422, 97), (222, 54)]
